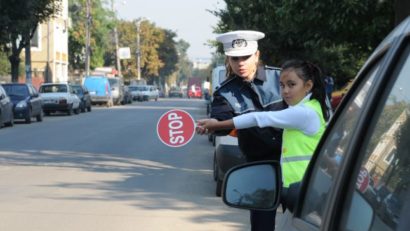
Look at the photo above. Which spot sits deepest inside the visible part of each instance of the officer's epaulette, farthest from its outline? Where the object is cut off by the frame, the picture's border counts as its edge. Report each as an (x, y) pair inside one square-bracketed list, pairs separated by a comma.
[(225, 82)]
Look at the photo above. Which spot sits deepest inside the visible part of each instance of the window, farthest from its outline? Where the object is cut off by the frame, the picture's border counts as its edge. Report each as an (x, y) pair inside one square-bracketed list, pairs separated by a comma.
[(332, 154), (386, 162)]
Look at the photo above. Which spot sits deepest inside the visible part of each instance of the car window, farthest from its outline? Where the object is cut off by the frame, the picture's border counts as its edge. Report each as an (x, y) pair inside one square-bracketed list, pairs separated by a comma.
[(16, 90), (384, 178), (332, 154)]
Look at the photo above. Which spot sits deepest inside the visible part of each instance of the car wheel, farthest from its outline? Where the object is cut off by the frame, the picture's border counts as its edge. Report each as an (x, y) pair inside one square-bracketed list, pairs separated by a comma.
[(83, 107), (11, 122), (47, 113), (28, 117), (77, 110), (218, 191), (39, 117), (89, 108), (215, 168), (70, 110)]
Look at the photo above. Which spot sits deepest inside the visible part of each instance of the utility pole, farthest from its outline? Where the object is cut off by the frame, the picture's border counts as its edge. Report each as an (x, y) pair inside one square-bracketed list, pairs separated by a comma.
[(138, 50), (87, 37), (117, 58)]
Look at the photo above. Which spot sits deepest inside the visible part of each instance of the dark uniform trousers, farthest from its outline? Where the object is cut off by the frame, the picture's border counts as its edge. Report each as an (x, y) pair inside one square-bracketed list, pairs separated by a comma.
[(235, 97)]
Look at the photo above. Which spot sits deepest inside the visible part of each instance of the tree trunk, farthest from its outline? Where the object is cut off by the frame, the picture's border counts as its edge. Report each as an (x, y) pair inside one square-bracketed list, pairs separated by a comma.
[(14, 62), (28, 61)]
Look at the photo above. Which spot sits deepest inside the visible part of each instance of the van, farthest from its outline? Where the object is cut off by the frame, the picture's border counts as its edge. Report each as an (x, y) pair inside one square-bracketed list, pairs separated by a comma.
[(100, 90), (117, 90)]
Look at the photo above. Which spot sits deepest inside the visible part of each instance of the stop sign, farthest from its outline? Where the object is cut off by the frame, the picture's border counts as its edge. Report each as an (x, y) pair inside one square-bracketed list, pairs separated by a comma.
[(363, 180), (176, 128)]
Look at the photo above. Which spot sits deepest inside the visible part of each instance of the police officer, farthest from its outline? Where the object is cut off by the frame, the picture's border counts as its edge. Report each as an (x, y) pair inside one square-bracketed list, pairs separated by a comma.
[(249, 87)]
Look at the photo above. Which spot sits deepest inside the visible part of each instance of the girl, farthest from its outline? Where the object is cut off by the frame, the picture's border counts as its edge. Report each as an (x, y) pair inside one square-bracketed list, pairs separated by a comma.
[(304, 121)]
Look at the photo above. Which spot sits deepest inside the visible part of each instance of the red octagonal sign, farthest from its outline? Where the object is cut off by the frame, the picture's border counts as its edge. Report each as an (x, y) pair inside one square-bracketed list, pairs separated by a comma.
[(176, 128)]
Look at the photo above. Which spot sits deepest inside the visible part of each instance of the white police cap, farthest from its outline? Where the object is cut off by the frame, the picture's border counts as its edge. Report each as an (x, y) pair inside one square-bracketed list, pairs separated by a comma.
[(240, 42)]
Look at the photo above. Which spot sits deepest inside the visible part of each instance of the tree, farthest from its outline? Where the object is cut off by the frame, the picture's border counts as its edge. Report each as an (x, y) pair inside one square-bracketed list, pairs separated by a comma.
[(101, 24), (18, 23), (151, 38), (334, 34), (169, 56), (184, 64)]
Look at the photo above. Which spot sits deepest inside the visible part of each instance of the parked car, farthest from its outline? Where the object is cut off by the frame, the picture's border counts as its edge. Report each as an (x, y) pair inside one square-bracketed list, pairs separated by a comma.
[(136, 91), (117, 90), (27, 101), (367, 138), (194, 92), (100, 90), (175, 92), (84, 95), (147, 92), (127, 99), (6, 109), (59, 97)]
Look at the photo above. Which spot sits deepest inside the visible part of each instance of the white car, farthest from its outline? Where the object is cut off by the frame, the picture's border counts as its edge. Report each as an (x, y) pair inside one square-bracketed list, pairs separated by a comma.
[(59, 97)]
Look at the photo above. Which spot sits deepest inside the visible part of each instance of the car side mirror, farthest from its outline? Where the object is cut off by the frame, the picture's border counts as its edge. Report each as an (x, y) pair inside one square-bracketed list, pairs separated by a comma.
[(255, 186)]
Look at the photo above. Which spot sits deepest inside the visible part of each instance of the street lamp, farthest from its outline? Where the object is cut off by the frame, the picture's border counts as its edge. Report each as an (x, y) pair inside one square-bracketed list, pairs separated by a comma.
[(138, 52)]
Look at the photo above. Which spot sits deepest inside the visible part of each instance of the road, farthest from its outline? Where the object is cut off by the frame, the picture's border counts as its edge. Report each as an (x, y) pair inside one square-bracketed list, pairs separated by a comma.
[(107, 170)]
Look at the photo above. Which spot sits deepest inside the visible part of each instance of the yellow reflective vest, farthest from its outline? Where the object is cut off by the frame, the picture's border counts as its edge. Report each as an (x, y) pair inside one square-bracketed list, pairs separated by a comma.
[(298, 148)]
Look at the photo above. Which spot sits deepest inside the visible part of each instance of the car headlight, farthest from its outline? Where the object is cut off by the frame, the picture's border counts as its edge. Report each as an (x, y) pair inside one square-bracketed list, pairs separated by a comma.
[(21, 104)]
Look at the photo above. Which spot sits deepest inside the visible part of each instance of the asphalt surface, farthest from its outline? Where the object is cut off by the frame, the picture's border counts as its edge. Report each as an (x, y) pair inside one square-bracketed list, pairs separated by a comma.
[(107, 170)]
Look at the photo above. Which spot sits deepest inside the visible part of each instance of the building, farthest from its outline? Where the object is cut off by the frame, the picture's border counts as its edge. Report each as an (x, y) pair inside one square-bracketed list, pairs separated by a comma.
[(202, 63), (49, 47)]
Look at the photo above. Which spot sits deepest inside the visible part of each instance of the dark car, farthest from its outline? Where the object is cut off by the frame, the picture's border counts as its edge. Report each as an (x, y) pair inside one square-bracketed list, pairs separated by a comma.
[(364, 147), (6, 109), (84, 95), (27, 101)]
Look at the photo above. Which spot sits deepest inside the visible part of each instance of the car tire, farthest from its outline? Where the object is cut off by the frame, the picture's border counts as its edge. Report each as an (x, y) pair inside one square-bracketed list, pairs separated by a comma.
[(215, 171), (218, 191), (89, 108), (83, 107), (27, 119), (77, 111), (70, 110), (39, 117)]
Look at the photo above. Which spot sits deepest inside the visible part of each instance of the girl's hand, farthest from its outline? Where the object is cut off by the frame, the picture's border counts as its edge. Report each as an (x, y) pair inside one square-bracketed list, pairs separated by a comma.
[(205, 126)]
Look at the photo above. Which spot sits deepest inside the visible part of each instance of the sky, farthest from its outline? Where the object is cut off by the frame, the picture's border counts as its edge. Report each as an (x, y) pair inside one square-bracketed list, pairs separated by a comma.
[(188, 18)]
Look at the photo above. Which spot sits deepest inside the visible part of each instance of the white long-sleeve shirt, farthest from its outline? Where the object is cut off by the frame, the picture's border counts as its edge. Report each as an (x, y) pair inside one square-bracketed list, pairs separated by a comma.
[(299, 117)]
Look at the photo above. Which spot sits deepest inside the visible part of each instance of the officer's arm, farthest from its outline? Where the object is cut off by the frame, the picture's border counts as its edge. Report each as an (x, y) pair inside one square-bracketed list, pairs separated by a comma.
[(221, 110)]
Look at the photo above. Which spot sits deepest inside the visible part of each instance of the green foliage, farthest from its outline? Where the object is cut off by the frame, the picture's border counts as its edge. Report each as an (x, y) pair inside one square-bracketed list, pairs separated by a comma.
[(338, 35), (184, 64), (169, 56), (18, 22), (101, 26)]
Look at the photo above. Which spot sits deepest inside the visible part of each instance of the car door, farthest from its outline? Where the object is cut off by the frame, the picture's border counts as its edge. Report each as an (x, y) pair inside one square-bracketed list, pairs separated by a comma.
[(36, 102), (6, 107), (366, 148)]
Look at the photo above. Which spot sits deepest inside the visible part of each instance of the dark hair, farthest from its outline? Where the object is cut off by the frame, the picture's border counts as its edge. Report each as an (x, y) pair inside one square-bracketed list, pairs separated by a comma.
[(309, 71)]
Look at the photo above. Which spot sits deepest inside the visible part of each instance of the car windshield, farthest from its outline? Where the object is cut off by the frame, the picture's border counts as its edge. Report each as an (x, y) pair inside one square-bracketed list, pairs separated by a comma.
[(53, 88), (78, 89), (16, 90)]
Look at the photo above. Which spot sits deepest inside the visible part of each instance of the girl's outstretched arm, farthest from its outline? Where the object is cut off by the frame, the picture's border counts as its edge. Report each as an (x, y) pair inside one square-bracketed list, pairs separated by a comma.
[(209, 125)]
